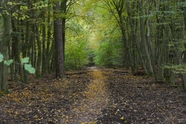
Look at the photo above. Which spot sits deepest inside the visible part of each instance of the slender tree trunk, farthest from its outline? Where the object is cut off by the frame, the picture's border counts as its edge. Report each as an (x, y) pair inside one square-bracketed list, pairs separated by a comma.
[(133, 24), (143, 40), (44, 43), (16, 38), (39, 53), (149, 39), (49, 47)]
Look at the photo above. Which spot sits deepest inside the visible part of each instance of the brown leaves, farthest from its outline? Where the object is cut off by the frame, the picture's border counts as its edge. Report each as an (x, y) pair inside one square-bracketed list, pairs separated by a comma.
[(95, 96)]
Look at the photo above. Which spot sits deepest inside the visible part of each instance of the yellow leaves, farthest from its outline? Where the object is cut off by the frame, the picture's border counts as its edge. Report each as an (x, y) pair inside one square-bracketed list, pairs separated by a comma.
[(17, 98), (96, 99), (96, 74), (42, 93), (97, 88), (122, 118), (9, 95)]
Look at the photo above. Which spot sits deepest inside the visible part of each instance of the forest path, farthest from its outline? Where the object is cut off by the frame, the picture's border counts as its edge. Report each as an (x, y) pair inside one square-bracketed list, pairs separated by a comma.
[(96, 98)]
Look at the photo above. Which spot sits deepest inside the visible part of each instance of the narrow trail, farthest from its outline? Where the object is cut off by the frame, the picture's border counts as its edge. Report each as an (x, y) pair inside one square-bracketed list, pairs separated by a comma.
[(96, 98)]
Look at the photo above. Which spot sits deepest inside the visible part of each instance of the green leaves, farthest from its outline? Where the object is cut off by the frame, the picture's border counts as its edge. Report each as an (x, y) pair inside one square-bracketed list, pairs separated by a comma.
[(9, 62), (25, 60), (181, 68), (6, 62), (1, 57), (29, 68)]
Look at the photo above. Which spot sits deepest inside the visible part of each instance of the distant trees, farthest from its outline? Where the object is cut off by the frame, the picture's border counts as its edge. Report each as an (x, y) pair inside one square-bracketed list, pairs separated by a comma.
[(150, 32)]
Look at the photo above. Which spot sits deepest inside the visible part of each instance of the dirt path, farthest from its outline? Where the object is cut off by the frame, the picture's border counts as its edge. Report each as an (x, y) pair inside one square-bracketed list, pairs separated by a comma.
[(95, 100), (94, 96)]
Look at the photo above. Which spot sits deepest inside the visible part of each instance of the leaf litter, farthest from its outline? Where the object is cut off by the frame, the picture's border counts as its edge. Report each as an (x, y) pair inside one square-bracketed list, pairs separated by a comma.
[(94, 96)]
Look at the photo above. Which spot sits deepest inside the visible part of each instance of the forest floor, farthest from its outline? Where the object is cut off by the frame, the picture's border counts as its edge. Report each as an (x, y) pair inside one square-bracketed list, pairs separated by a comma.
[(94, 96)]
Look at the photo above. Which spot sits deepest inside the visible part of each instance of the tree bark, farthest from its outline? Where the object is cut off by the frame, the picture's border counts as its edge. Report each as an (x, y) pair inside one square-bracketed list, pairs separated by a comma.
[(4, 50), (59, 44), (143, 40)]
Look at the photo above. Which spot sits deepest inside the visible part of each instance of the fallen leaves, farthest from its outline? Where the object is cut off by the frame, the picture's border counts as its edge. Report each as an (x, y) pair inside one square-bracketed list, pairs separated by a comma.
[(94, 96), (95, 99)]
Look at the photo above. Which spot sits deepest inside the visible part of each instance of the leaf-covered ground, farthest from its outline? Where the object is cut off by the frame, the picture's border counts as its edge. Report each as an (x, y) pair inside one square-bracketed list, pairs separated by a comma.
[(94, 96)]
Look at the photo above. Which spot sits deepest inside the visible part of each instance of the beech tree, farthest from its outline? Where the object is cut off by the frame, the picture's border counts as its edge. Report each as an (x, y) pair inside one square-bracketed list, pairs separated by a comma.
[(59, 27), (4, 42)]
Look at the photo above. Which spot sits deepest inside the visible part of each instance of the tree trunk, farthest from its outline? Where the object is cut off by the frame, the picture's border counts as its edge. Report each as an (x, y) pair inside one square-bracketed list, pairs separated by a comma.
[(16, 38), (143, 40), (133, 24), (4, 50), (59, 44), (39, 53)]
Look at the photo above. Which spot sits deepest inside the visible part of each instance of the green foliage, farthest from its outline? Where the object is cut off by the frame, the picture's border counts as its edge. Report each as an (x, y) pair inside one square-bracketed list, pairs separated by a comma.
[(76, 47), (24, 61), (1, 57), (9, 62), (91, 56), (181, 68), (109, 54), (182, 4), (40, 5), (29, 68), (76, 54)]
